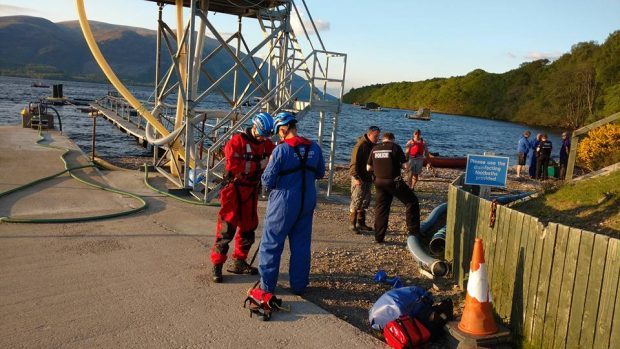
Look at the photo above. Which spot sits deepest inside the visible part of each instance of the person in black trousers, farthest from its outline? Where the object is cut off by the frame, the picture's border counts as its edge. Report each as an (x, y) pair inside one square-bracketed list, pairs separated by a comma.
[(543, 155), (386, 161)]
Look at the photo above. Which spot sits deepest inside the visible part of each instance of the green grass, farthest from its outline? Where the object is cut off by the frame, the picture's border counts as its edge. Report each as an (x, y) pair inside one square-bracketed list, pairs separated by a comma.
[(592, 204)]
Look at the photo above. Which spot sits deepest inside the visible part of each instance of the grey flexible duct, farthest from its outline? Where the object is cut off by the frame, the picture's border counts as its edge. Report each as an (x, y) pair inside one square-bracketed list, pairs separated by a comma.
[(438, 241), (437, 267)]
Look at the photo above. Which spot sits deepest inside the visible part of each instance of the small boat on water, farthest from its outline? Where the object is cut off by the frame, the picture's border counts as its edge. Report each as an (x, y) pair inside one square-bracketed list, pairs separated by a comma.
[(39, 85), (446, 162), (371, 106), (423, 114)]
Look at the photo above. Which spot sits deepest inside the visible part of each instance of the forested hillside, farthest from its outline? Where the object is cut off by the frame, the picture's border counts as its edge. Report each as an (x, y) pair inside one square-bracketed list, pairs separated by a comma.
[(579, 87)]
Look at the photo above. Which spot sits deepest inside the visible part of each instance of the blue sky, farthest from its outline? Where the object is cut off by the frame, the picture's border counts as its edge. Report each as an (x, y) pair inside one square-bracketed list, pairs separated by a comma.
[(404, 40)]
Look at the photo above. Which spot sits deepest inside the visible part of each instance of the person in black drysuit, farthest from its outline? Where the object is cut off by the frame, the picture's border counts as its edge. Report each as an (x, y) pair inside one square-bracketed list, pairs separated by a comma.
[(386, 161), (543, 155)]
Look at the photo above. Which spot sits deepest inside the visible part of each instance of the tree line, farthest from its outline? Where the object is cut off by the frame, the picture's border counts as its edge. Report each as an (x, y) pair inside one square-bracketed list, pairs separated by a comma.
[(579, 87)]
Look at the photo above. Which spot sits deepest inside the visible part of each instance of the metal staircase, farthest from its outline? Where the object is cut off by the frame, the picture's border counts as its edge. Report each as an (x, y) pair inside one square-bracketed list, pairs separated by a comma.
[(275, 70)]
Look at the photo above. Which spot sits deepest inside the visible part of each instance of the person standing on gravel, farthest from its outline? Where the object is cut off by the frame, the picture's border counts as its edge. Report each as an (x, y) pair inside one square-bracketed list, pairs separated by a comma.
[(417, 151), (247, 154), (543, 155), (295, 165), (386, 161), (361, 179), (534, 145), (523, 147)]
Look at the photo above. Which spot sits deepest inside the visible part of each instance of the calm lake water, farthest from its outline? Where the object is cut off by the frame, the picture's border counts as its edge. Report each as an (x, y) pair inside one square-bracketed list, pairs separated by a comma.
[(450, 135)]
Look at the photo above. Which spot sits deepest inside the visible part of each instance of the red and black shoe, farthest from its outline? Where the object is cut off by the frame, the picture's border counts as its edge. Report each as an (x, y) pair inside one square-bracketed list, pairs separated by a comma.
[(242, 267)]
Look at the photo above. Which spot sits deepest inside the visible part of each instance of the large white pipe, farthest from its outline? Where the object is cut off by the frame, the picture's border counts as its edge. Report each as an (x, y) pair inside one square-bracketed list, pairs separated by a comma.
[(114, 80)]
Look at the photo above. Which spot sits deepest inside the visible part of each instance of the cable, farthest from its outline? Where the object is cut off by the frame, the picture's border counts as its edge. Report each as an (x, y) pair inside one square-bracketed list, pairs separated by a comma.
[(192, 202), (9, 219)]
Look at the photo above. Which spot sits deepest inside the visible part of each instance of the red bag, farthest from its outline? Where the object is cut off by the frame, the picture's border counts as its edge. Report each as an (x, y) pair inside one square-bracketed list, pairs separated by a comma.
[(406, 333)]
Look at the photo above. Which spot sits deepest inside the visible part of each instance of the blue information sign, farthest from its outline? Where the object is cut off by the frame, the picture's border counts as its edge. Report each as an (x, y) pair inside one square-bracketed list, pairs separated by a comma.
[(486, 170)]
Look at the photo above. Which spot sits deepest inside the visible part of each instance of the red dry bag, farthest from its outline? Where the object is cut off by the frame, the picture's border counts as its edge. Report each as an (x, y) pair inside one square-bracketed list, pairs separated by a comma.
[(406, 333)]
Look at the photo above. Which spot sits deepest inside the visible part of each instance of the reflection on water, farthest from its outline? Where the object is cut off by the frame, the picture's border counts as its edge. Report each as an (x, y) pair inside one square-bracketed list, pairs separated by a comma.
[(445, 134)]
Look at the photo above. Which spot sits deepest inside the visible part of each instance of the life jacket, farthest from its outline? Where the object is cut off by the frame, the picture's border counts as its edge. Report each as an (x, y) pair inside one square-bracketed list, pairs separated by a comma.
[(303, 167), (417, 149), (251, 174)]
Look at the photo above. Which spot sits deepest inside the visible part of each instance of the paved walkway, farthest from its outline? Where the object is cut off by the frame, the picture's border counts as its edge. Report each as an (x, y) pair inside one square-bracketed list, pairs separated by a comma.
[(138, 281)]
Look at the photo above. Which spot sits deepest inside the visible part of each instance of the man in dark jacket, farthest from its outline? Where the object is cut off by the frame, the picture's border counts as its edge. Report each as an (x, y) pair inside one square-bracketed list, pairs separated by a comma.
[(386, 161), (361, 179)]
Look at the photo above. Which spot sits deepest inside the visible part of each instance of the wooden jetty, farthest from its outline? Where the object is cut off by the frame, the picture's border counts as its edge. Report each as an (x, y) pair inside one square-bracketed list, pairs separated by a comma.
[(125, 124)]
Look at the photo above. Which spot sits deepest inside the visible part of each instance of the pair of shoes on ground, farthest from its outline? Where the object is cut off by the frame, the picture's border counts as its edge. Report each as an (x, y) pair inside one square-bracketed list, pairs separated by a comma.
[(238, 267)]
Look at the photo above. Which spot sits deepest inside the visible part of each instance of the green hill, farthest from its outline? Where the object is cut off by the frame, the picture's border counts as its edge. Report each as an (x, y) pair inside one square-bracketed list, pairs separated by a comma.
[(579, 87)]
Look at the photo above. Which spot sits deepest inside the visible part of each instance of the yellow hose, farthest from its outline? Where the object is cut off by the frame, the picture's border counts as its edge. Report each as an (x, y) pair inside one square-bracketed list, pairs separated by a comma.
[(182, 64), (178, 121), (120, 87)]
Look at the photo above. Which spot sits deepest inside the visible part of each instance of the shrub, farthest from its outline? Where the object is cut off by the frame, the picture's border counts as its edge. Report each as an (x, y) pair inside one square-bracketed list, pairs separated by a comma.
[(600, 148)]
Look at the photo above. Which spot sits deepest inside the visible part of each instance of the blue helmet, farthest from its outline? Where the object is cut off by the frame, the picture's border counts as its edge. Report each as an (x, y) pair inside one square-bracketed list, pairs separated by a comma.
[(264, 124), (282, 119)]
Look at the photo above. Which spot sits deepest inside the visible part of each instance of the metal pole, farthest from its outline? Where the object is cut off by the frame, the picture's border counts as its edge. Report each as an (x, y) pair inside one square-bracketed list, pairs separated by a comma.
[(284, 56), (189, 104), (158, 54), (237, 52), (94, 134), (332, 153)]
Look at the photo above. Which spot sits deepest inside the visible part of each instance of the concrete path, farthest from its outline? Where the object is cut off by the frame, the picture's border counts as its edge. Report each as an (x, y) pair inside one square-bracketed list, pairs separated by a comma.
[(138, 281)]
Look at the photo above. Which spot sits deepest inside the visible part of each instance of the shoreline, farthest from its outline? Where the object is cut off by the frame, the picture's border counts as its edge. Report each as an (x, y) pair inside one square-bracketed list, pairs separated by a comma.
[(556, 131)]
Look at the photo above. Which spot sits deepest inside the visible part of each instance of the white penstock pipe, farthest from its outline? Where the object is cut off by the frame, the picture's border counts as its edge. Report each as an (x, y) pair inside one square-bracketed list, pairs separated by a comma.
[(114, 80)]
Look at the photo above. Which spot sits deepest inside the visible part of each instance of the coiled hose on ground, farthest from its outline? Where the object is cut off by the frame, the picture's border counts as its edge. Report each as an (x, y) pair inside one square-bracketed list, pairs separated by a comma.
[(70, 170)]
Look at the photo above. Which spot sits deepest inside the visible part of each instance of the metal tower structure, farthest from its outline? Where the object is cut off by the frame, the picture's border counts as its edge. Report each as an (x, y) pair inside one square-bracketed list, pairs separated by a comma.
[(274, 75)]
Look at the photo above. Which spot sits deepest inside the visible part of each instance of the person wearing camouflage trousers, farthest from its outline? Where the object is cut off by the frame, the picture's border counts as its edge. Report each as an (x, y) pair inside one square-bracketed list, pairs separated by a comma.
[(361, 180)]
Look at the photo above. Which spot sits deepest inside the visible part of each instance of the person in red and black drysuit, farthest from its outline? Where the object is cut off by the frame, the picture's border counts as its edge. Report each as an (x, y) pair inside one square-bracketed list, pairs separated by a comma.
[(247, 154)]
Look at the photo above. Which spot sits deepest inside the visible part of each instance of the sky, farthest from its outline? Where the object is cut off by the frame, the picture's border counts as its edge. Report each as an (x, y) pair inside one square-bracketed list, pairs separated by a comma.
[(401, 40)]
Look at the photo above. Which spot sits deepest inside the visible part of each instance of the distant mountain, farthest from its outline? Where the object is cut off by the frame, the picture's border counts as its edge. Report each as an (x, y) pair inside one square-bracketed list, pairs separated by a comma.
[(35, 47)]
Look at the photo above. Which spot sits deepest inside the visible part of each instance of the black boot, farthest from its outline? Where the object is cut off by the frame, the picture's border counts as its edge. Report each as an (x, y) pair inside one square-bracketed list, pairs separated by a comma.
[(242, 267), (217, 273), (361, 221), (353, 222)]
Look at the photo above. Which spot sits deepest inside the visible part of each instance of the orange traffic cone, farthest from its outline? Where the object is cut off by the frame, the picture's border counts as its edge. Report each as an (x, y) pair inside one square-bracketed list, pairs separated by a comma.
[(477, 316)]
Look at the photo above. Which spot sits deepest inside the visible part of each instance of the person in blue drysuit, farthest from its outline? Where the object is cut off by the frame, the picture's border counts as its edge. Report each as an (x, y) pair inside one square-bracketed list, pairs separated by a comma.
[(290, 206), (523, 147)]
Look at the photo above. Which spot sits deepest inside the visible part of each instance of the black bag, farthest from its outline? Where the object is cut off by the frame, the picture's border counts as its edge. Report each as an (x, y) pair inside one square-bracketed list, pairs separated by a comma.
[(438, 317)]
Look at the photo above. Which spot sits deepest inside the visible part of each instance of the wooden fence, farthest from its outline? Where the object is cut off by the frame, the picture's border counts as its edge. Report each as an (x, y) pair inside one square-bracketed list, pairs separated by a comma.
[(554, 286)]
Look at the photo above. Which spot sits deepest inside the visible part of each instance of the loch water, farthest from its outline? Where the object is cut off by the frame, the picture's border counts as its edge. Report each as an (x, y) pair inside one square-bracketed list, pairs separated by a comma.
[(448, 135)]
